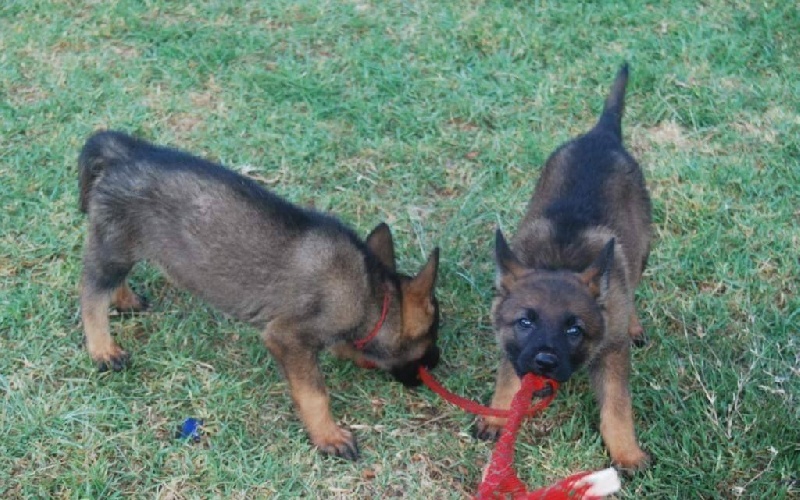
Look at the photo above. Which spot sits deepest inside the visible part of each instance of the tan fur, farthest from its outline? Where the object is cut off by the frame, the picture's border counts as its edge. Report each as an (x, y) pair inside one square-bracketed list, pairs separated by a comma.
[(101, 347), (308, 391), (124, 299), (418, 308)]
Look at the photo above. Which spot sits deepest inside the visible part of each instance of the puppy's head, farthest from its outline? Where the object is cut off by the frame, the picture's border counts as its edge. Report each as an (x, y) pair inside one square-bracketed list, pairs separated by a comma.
[(414, 321), (548, 322)]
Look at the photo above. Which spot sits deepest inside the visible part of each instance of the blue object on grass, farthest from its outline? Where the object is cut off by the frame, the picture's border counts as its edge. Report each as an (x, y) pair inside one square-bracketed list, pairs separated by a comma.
[(191, 428)]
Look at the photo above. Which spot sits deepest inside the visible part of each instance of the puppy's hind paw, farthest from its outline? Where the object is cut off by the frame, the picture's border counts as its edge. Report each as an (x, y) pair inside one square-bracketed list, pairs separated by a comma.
[(126, 301), (636, 332)]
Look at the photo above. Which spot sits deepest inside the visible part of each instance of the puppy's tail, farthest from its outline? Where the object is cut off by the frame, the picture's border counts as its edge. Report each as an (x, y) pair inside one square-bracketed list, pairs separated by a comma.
[(101, 151), (611, 119)]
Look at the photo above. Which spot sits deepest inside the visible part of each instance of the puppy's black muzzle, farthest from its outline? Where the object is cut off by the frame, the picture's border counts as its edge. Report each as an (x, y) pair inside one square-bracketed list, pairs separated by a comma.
[(545, 362), (408, 374), (540, 362)]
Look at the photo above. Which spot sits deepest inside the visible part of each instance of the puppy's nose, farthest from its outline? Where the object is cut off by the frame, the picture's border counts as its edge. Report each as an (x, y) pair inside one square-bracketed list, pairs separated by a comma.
[(545, 362)]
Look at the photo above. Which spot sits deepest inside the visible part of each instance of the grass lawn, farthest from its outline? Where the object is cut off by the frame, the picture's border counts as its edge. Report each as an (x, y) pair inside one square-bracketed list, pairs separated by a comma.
[(436, 118)]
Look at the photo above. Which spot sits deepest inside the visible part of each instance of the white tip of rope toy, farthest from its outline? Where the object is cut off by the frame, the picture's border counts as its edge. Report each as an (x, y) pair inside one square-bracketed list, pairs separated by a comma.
[(603, 483)]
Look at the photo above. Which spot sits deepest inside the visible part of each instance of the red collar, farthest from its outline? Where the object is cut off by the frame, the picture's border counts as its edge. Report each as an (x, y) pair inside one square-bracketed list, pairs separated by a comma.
[(360, 344)]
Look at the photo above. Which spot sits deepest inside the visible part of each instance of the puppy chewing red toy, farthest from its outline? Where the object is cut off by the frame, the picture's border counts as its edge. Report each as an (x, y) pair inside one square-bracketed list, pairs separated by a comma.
[(500, 481)]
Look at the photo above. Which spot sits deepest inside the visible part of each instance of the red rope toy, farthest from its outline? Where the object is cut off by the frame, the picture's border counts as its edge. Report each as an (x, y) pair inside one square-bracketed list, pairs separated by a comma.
[(544, 387), (500, 480)]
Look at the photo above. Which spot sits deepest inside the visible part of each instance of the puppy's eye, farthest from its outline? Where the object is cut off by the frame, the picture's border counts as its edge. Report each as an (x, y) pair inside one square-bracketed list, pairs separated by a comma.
[(574, 332), (524, 324)]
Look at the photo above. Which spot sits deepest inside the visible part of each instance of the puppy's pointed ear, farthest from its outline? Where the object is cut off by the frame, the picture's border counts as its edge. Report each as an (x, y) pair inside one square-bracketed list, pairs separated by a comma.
[(381, 244), (418, 293), (424, 282), (597, 276), (509, 268)]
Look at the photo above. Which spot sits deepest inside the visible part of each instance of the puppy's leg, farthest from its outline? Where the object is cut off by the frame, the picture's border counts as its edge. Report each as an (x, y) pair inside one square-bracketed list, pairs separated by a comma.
[(126, 300), (347, 351), (300, 366), (635, 331), (106, 262), (610, 381), (95, 299), (506, 386)]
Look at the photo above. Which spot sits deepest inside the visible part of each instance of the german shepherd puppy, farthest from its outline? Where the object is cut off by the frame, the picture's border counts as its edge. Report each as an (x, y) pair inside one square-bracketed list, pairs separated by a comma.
[(565, 286), (305, 280)]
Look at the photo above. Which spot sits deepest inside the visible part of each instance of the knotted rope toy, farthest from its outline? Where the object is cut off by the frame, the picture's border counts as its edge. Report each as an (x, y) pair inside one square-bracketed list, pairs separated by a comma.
[(500, 480)]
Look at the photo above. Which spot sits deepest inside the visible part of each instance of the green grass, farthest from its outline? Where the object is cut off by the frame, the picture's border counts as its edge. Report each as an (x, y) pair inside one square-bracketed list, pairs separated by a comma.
[(435, 117)]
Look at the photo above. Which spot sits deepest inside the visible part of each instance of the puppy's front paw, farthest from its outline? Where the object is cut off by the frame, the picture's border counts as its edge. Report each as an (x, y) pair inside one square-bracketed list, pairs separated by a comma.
[(337, 442), (117, 361), (113, 358), (632, 461), (489, 428)]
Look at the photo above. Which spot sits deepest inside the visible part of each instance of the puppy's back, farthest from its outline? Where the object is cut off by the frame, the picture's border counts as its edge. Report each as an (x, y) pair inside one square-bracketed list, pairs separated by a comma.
[(592, 180), (185, 213)]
